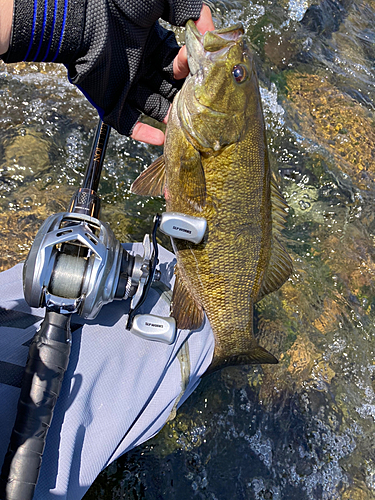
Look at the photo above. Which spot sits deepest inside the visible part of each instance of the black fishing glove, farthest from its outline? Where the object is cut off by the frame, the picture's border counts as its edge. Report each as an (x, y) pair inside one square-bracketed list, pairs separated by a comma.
[(115, 50)]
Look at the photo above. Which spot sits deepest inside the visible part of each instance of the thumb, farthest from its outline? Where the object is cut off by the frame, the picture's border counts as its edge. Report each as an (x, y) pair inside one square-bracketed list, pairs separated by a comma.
[(145, 133), (180, 64)]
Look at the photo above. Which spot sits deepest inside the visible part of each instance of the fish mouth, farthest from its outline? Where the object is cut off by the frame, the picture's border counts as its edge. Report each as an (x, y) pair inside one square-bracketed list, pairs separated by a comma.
[(204, 52), (213, 41), (211, 44)]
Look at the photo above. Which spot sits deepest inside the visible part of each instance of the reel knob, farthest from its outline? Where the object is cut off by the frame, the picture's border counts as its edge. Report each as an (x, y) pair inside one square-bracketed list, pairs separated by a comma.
[(182, 226), (152, 327)]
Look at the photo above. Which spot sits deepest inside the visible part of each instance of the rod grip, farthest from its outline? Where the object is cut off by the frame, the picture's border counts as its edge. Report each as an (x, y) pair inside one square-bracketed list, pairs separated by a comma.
[(44, 372)]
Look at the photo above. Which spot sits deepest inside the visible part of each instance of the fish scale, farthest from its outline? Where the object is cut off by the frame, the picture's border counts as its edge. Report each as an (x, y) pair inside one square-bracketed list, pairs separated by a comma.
[(215, 165)]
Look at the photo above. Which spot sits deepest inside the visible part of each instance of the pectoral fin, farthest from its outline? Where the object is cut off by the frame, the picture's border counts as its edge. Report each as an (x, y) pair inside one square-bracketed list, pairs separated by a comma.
[(151, 182), (192, 178), (186, 311)]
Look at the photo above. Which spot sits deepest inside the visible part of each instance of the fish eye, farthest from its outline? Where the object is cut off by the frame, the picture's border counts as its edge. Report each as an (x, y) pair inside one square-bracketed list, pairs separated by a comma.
[(240, 73)]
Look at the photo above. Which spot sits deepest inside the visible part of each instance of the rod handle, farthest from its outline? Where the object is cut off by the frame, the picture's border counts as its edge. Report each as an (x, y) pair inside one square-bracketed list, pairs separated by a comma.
[(44, 372)]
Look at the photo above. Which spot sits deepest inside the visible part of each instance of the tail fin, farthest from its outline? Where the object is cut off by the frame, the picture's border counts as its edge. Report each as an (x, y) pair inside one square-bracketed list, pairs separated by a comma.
[(257, 355)]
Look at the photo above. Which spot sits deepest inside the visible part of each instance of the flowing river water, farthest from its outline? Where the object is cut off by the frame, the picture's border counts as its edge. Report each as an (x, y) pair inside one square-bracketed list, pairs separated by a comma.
[(303, 429)]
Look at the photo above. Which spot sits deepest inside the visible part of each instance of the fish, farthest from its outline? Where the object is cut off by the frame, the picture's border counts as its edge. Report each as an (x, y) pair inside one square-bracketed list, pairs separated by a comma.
[(215, 165)]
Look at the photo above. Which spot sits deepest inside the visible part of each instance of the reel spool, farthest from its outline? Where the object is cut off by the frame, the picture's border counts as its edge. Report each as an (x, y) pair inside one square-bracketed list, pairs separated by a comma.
[(73, 265)]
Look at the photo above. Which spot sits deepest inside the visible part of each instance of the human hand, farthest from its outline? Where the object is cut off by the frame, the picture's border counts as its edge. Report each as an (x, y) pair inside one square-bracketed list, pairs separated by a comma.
[(6, 17), (151, 135), (116, 53)]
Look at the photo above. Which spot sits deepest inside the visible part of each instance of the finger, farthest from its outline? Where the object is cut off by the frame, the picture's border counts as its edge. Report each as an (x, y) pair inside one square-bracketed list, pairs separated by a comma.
[(149, 102), (157, 82), (205, 22), (145, 133), (180, 65), (167, 115)]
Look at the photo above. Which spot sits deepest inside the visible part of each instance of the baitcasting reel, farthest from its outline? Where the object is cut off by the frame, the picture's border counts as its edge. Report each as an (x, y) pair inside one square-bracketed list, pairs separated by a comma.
[(76, 264)]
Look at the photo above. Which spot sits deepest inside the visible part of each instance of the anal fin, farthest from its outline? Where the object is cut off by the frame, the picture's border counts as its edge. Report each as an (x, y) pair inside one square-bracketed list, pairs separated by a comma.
[(187, 312)]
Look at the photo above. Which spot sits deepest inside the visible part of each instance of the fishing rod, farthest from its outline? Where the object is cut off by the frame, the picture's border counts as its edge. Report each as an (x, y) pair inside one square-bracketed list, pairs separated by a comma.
[(76, 266), (49, 350)]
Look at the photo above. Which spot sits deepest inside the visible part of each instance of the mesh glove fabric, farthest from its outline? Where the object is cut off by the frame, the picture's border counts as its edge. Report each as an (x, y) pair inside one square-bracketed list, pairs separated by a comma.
[(115, 51)]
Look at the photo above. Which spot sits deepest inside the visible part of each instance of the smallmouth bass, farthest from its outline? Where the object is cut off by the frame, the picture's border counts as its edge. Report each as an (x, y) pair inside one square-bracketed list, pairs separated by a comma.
[(215, 165)]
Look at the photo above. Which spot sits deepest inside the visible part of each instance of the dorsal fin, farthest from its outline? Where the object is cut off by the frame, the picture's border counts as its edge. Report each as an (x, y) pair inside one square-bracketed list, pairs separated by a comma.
[(279, 269), (279, 206), (280, 266), (186, 311), (151, 182)]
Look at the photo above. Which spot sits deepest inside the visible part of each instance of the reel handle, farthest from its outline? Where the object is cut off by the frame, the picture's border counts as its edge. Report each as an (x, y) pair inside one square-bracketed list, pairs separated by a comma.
[(44, 372)]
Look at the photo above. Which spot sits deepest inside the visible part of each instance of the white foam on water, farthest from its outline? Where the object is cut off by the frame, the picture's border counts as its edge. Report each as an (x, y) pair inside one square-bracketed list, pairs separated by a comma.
[(273, 111)]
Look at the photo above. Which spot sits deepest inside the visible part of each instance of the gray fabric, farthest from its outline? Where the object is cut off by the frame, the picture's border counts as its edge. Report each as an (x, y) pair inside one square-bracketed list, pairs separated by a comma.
[(118, 391)]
